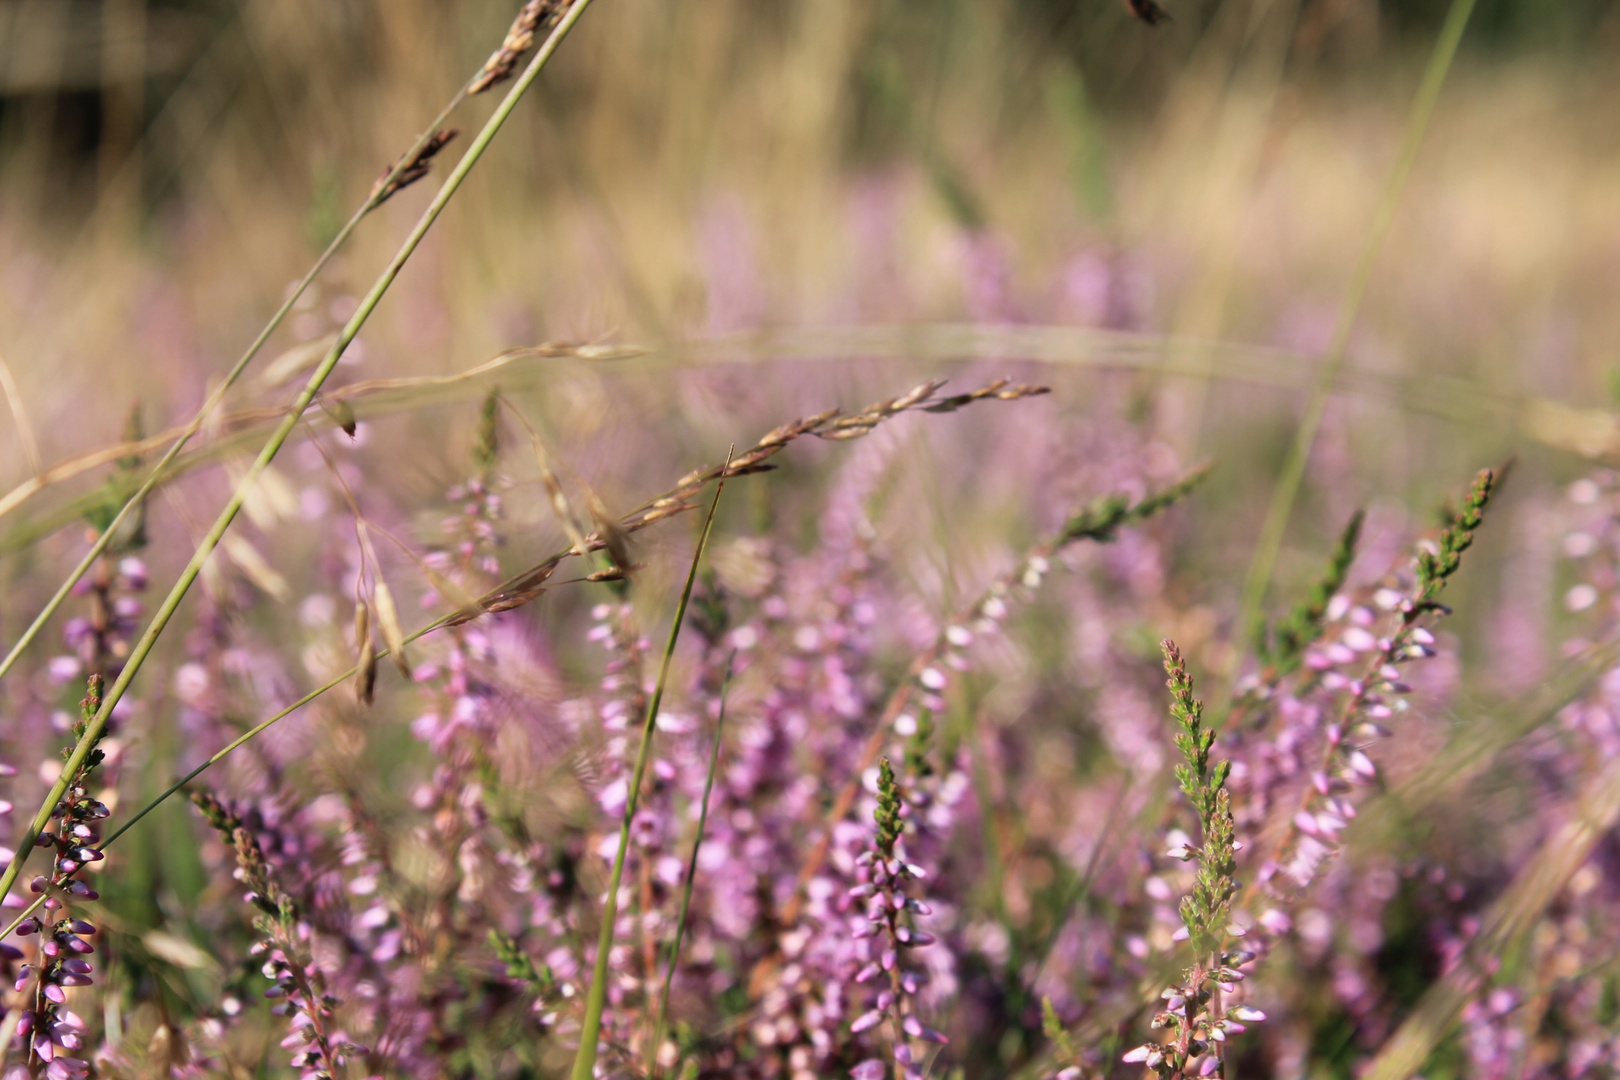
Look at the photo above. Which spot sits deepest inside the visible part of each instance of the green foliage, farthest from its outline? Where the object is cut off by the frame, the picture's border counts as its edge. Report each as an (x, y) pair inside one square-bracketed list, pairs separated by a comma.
[(1052, 1028), (1284, 649), (1435, 567), (486, 444), (1101, 519), (887, 814), (918, 747), (87, 711), (121, 483), (1205, 910), (519, 966)]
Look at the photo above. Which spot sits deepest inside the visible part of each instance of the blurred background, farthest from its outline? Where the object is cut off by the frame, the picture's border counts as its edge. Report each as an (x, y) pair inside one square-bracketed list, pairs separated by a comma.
[(690, 170)]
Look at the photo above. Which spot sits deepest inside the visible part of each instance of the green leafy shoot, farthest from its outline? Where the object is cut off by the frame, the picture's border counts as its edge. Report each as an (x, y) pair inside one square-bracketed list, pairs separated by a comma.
[(1283, 650), (1052, 1027), (1206, 909), (1101, 519), (1436, 567), (520, 967)]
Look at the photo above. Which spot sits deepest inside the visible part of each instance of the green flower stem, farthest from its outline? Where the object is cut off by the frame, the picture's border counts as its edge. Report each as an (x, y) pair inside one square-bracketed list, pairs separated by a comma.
[(596, 996), (171, 603), (217, 395), (1293, 470)]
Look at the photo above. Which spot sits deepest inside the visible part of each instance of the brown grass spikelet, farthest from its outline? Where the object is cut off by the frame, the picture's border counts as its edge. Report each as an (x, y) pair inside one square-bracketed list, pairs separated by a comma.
[(609, 532), (531, 18), (411, 170)]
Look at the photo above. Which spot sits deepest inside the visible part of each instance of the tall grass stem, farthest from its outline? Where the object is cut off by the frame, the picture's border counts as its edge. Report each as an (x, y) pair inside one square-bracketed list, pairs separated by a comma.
[(596, 995)]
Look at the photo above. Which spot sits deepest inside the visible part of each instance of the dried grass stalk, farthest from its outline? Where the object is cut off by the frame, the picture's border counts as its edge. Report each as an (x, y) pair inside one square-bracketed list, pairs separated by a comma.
[(833, 424)]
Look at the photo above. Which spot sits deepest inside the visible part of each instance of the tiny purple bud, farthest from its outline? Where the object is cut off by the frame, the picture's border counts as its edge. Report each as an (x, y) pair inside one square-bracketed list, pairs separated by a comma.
[(866, 1020)]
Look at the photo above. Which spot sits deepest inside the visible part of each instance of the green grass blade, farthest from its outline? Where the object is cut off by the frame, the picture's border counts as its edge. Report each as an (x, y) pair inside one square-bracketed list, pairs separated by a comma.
[(596, 995)]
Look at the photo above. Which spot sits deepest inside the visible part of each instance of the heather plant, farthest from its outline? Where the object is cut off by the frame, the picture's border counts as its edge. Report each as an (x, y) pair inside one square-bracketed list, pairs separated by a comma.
[(900, 795)]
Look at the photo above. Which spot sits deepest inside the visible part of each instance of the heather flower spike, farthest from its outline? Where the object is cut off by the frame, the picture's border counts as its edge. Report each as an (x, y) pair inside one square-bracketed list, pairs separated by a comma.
[(655, 1047), (884, 884), (1206, 911), (1101, 519), (1196, 1009), (299, 985), (1436, 567), (1366, 695), (60, 964)]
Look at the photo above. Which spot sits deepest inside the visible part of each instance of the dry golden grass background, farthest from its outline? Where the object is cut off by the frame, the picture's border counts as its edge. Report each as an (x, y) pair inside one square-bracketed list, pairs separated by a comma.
[(696, 166)]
